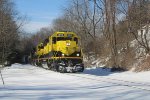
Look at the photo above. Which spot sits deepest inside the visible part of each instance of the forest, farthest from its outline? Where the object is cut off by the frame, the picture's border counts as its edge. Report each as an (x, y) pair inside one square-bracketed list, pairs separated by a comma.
[(114, 33)]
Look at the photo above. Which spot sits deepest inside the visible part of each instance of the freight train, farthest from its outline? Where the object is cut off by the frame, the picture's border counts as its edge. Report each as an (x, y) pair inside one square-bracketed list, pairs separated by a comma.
[(60, 52)]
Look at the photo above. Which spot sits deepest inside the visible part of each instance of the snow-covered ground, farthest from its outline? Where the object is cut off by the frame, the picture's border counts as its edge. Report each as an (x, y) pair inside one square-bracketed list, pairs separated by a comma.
[(26, 82)]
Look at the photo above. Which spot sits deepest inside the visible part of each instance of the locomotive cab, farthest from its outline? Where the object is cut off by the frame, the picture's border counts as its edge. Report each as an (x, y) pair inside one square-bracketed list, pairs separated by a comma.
[(66, 44)]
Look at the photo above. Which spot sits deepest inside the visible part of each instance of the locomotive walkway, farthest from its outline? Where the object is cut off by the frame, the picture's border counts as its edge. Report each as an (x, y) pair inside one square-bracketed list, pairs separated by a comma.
[(26, 82)]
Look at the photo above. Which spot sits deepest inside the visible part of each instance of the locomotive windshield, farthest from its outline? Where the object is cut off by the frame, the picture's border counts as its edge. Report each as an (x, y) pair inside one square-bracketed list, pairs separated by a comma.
[(63, 38), (69, 35)]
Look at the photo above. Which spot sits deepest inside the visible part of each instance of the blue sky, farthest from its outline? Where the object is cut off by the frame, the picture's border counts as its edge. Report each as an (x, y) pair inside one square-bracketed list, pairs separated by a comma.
[(40, 13)]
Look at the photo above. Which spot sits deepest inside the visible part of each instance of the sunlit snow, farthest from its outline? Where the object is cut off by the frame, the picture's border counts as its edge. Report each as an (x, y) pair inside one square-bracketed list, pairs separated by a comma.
[(27, 82)]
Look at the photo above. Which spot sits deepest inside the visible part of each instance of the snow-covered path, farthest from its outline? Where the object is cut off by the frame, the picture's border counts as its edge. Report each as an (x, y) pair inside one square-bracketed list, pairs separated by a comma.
[(26, 82)]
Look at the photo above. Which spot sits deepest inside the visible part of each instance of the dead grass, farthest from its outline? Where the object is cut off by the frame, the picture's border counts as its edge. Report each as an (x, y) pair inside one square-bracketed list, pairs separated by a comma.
[(144, 65)]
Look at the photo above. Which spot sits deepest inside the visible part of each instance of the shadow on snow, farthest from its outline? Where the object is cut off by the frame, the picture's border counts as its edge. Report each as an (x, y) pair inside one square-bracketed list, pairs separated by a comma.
[(98, 71)]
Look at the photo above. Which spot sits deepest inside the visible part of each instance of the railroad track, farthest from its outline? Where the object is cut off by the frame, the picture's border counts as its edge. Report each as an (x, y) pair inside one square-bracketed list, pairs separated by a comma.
[(119, 82), (135, 85)]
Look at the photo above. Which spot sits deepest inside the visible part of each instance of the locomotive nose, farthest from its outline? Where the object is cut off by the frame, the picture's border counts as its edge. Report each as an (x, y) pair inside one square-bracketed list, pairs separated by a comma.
[(68, 43), (66, 47), (69, 47)]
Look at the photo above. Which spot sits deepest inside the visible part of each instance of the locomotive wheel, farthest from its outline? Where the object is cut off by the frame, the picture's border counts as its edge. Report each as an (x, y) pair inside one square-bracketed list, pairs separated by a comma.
[(40, 64), (53, 66), (62, 69), (82, 69), (49, 65), (33, 63), (36, 63)]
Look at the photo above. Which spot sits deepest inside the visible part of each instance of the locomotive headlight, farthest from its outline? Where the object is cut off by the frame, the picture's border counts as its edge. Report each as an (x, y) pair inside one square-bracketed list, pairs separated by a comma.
[(63, 54), (78, 55), (68, 44)]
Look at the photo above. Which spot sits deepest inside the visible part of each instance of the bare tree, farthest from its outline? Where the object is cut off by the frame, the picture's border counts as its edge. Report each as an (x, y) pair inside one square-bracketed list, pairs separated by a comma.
[(9, 30), (110, 29), (139, 17)]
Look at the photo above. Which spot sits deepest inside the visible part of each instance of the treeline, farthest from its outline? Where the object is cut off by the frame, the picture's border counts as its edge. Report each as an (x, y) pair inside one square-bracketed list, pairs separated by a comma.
[(109, 30), (10, 23), (113, 31)]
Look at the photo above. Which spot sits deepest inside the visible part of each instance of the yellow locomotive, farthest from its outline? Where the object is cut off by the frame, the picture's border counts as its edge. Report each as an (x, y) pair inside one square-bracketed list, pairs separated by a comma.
[(60, 52)]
